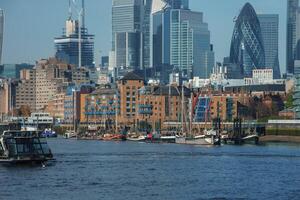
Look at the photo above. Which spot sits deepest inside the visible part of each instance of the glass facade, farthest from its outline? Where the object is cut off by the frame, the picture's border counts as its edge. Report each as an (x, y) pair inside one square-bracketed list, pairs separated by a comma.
[(127, 50), (13, 70), (181, 39), (146, 34), (67, 46), (292, 15), (178, 4), (1, 32), (269, 28), (247, 48), (126, 17)]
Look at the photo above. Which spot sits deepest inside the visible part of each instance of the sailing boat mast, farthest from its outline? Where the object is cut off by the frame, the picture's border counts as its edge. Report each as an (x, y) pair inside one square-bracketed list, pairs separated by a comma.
[(182, 109)]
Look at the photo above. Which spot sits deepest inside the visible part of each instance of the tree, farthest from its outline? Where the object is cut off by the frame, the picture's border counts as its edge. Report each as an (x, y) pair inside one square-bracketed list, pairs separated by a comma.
[(289, 100), (24, 111)]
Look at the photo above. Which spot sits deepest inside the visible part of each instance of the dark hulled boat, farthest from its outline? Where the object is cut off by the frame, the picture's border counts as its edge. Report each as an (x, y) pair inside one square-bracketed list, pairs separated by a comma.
[(21, 147)]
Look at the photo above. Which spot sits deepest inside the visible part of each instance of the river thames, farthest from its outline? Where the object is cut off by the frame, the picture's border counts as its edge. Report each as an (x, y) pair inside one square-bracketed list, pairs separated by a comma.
[(124, 170)]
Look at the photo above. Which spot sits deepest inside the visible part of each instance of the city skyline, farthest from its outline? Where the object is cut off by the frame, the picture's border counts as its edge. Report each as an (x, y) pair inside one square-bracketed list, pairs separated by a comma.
[(40, 41)]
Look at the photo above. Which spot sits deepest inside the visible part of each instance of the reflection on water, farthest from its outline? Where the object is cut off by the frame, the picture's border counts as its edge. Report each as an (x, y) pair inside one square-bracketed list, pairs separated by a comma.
[(124, 170)]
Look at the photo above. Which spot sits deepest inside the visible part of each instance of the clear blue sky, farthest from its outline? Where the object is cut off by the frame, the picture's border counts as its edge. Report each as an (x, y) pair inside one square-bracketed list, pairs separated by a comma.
[(31, 25)]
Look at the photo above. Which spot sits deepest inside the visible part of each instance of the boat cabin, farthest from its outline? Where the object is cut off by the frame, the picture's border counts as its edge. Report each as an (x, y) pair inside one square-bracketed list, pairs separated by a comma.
[(23, 146)]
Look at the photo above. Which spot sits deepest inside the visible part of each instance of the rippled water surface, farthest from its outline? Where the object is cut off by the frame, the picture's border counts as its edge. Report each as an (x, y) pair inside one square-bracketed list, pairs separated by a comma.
[(123, 170)]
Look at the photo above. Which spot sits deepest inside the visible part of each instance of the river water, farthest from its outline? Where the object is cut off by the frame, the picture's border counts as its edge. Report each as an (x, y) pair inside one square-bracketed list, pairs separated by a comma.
[(124, 170)]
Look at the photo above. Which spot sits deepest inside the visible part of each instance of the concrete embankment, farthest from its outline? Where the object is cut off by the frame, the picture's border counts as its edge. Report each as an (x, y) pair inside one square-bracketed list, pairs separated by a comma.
[(278, 138)]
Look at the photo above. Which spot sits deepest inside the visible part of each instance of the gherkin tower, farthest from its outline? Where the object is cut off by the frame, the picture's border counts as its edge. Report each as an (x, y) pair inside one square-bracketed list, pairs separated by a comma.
[(247, 49)]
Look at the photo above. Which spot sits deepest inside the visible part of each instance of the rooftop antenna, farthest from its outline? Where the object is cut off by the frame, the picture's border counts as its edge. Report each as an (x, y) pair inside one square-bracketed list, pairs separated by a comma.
[(83, 14), (70, 10)]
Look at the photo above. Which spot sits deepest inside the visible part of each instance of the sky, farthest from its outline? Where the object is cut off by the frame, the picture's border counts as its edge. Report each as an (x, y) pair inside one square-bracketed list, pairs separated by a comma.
[(31, 25)]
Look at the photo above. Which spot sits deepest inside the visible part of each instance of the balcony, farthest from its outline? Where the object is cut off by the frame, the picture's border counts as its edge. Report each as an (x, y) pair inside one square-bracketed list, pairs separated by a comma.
[(145, 112), (145, 106)]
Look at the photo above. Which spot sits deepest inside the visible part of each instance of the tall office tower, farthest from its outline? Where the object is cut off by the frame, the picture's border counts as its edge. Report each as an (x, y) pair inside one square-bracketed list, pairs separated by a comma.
[(126, 25), (1, 32), (145, 36), (291, 41), (127, 49), (67, 46), (247, 47), (269, 28), (181, 40), (178, 4)]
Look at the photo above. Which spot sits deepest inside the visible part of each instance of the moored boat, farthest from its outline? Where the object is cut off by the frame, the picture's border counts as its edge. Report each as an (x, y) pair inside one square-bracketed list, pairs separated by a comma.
[(49, 133), (70, 134), (24, 147), (140, 138)]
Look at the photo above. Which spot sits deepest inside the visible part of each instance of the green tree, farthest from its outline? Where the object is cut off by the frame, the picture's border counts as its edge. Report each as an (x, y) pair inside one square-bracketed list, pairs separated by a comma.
[(289, 100)]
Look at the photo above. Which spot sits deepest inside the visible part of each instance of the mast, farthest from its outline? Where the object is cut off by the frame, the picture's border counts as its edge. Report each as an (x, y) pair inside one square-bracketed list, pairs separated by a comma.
[(191, 114), (182, 108), (117, 109), (83, 14)]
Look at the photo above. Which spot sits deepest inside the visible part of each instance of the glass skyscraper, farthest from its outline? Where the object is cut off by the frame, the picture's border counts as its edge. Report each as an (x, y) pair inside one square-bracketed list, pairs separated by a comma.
[(247, 47), (1, 32), (127, 37), (145, 62), (269, 28), (67, 46), (181, 39), (291, 41), (127, 49)]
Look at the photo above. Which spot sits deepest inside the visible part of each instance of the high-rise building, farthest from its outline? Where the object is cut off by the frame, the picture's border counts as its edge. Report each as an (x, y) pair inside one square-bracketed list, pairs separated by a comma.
[(67, 46), (1, 32), (126, 32), (181, 39), (269, 28), (145, 36), (127, 49), (13, 70), (292, 15), (126, 17), (247, 47), (178, 4)]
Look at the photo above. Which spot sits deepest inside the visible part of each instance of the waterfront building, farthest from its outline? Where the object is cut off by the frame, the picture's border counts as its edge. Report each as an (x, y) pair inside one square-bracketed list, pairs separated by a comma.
[(128, 88), (292, 36), (38, 85), (247, 47), (5, 97), (296, 97), (100, 107), (159, 104), (209, 107), (269, 28), (56, 104), (1, 32), (73, 102), (67, 45)]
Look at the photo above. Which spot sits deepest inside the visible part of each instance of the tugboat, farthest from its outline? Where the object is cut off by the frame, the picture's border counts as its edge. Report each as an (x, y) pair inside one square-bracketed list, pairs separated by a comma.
[(24, 147)]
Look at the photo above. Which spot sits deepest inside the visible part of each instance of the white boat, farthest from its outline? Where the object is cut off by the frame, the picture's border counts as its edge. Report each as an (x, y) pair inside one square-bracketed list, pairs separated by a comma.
[(70, 134), (208, 138), (251, 139), (137, 139)]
